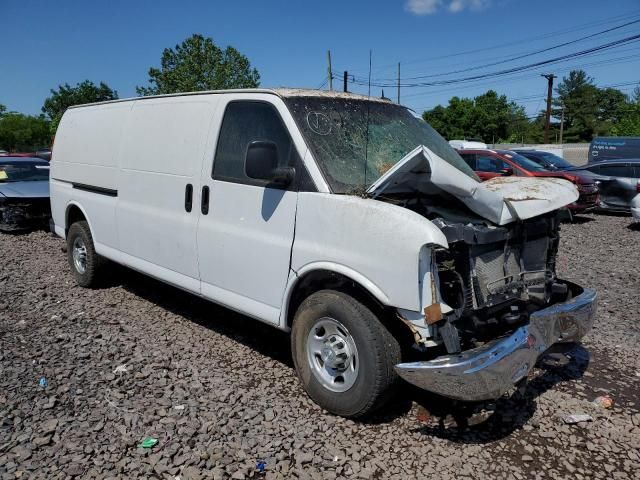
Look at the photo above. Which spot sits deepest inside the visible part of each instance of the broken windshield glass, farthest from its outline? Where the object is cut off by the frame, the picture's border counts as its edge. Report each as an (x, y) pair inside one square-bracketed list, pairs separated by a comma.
[(336, 131)]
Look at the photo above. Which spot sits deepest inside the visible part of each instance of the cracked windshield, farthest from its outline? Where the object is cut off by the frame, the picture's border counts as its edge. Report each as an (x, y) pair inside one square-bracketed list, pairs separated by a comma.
[(336, 132)]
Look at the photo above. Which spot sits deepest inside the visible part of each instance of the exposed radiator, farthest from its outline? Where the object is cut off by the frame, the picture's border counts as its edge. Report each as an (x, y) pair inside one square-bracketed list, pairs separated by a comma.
[(498, 274)]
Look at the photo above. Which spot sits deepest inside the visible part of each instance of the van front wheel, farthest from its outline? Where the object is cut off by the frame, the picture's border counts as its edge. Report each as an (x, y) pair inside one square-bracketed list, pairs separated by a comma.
[(85, 263), (344, 355)]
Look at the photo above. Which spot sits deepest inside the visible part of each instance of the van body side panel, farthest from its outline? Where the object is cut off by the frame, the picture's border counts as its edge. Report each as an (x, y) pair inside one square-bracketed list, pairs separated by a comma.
[(160, 273), (162, 152), (245, 240), (86, 154), (375, 243), (245, 243)]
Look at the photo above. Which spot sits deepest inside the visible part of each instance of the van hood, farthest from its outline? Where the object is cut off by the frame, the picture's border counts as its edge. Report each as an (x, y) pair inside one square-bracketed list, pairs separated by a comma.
[(500, 200)]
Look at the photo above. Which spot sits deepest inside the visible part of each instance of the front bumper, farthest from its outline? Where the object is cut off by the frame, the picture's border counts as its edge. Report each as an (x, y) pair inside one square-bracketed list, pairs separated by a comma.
[(487, 372), (24, 214), (586, 202)]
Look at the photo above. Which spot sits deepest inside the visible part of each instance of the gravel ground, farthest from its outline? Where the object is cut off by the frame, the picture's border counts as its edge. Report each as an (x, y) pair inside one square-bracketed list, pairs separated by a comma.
[(139, 359)]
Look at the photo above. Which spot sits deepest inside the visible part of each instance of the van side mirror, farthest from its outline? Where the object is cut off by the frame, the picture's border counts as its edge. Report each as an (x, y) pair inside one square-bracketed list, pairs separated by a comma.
[(261, 163), (261, 160)]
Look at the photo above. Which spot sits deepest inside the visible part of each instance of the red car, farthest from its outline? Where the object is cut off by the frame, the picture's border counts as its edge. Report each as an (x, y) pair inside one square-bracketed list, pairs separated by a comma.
[(496, 163), (44, 154)]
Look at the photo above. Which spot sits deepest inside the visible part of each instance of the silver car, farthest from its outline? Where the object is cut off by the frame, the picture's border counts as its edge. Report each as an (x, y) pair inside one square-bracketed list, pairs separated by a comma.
[(24, 193), (618, 182)]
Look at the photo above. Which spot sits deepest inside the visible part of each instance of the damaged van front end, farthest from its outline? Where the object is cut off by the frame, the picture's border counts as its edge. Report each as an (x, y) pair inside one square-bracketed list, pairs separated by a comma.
[(467, 267), (493, 368), (496, 301)]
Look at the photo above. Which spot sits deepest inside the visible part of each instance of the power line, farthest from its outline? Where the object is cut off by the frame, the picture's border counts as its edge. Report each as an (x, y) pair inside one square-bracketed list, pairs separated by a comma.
[(477, 62), (615, 85), (518, 57), (323, 83), (608, 61), (517, 69), (361, 79), (555, 33)]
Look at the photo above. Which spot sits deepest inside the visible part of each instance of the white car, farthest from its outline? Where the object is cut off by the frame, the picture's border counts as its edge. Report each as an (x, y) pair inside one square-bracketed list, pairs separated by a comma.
[(342, 219)]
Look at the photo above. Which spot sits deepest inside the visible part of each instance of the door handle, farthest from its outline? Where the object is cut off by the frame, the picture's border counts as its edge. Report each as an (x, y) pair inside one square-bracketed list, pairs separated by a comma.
[(188, 197), (204, 200)]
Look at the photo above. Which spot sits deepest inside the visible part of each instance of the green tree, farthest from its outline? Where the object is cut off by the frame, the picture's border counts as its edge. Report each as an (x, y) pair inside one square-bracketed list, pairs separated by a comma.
[(590, 110), (628, 123), (534, 133), (198, 64), (578, 95), (490, 117), (613, 107), (3, 109), (66, 96), (23, 133)]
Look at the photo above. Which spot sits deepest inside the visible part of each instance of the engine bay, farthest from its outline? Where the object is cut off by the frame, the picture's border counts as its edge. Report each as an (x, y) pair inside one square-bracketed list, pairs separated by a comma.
[(491, 276)]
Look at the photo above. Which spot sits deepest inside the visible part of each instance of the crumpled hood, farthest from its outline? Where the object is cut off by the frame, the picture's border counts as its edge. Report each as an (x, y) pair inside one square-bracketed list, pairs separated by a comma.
[(35, 189), (501, 200)]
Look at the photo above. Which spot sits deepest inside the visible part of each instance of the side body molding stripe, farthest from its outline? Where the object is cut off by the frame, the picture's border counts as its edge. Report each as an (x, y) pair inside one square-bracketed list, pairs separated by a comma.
[(93, 189)]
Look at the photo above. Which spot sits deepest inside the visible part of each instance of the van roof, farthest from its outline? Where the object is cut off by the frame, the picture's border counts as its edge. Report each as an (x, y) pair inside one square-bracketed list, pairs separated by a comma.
[(280, 92)]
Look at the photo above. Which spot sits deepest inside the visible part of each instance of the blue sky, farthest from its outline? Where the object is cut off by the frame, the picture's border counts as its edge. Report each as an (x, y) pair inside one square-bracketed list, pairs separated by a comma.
[(46, 43)]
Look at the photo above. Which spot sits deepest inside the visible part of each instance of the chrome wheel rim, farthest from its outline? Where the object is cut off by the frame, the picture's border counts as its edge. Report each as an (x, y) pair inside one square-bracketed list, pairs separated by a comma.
[(79, 253), (332, 355)]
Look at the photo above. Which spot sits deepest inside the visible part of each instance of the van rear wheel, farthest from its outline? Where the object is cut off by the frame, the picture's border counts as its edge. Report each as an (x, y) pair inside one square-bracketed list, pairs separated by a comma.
[(85, 263), (343, 354)]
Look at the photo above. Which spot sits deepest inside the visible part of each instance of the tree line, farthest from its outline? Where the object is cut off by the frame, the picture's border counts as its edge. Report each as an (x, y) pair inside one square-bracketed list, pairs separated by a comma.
[(194, 65), (587, 109), (199, 64)]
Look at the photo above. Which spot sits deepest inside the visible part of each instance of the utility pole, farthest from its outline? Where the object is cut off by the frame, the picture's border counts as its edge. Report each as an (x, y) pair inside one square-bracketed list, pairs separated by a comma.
[(344, 81), (547, 119), (398, 82), (330, 72), (562, 126)]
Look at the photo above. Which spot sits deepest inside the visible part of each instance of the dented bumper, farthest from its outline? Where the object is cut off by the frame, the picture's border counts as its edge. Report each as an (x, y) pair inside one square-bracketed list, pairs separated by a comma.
[(487, 372)]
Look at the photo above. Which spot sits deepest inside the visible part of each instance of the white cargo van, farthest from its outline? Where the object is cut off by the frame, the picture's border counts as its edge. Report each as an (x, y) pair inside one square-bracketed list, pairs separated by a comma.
[(340, 218)]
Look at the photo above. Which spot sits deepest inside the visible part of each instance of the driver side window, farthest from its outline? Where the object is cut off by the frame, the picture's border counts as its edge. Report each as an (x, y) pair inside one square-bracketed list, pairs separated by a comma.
[(245, 122)]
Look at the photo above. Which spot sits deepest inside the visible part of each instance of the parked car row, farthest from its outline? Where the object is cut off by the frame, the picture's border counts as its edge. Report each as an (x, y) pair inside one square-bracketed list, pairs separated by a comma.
[(619, 183), (618, 179), (611, 185), (42, 153), (489, 164)]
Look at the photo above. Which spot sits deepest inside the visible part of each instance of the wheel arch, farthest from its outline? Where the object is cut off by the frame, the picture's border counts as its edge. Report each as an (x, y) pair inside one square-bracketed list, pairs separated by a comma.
[(74, 212), (323, 276)]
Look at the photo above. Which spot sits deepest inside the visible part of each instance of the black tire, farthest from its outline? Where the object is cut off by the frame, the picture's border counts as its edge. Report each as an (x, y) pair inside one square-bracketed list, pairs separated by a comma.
[(90, 277), (377, 353)]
